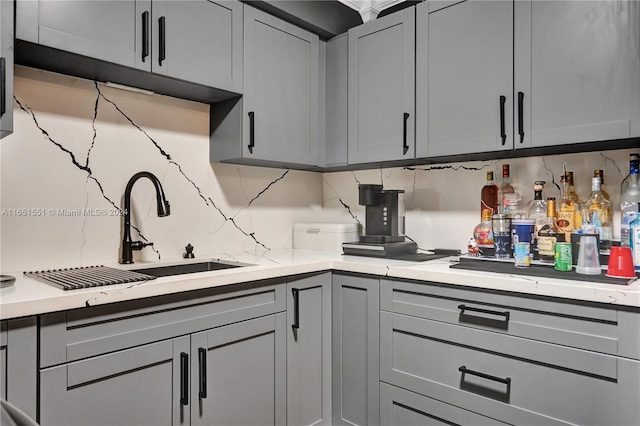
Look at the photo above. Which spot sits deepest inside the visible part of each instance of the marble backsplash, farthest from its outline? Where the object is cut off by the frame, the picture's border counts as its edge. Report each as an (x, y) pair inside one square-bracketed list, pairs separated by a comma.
[(76, 144)]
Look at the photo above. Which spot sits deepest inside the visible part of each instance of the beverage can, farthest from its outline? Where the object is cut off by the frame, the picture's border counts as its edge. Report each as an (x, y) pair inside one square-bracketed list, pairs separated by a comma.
[(521, 254), (563, 257)]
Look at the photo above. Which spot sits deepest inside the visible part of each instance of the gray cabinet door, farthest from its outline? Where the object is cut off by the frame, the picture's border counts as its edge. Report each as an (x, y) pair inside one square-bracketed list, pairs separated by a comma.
[(238, 373), (464, 60), (356, 359), (382, 89), (309, 350), (202, 42), (18, 363), (111, 31), (139, 386), (6, 68), (281, 99), (577, 65), (400, 407)]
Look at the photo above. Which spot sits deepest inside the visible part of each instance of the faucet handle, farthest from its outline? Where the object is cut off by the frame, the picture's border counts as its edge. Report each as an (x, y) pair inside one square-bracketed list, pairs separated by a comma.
[(139, 245), (189, 254)]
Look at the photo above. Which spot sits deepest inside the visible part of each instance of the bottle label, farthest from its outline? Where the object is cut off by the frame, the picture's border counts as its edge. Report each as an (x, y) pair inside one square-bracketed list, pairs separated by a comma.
[(510, 202), (625, 231), (635, 245), (565, 221), (546, 246)]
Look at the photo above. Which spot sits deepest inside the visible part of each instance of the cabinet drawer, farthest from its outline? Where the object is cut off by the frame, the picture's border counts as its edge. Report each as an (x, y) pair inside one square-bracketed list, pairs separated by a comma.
[(400, 407), (564, 323), (73, 335), (513, 379)]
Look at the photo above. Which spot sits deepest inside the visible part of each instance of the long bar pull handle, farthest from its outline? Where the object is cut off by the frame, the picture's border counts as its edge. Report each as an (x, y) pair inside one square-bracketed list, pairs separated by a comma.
[(464, 308), (3, 86), (202, 382), (405, 146), (296, 308), (521, 116), (252, 133), (145, 35), (464, 370), (503, 133), (184, 378), (163, 42)]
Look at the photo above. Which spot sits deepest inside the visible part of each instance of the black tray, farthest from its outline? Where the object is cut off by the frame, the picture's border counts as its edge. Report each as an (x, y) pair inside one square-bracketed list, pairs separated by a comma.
[(535, 270)]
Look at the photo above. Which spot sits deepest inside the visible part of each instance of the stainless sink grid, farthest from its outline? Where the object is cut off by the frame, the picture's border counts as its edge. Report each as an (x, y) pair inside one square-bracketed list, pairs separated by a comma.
[(88, 276)]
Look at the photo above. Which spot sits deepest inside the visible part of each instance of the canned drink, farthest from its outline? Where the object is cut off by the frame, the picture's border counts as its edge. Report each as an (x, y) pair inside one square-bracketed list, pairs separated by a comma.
[(563, 257), (521, 255)]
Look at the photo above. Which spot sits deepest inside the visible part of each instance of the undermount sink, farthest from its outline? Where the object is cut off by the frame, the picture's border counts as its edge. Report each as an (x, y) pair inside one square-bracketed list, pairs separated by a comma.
[(186, 268)]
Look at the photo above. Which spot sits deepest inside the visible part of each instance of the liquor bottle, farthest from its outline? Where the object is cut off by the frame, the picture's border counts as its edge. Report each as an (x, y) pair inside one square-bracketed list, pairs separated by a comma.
[(603, 188), (573, 196), (635, 240), (629, 199), (489, 196), (625, 181), (483, 233), (507, 194), (538, 212), (567, 210), (548, 234), (596, 216)]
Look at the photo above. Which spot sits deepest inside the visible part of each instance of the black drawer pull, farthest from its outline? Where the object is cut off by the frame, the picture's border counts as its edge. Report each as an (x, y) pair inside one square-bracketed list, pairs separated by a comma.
[(464, 308), (163, 42), (521, 116), (252, 132), (296, 308), (503, 132), (145, 35), (202, 383), (464, 370), (184, 378), (3, 89), (405, 146)]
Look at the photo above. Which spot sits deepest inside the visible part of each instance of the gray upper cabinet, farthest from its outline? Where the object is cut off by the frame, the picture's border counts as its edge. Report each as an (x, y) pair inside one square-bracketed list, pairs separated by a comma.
[(464, 60), (382, 89), (336, 91), (577, 68), (276, 122), (309, 350), (6, 68), (197, 41)]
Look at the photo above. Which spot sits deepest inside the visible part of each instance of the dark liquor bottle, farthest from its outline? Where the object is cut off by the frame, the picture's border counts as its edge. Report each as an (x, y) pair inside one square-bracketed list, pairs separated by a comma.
[(489, 196), (548, 234)]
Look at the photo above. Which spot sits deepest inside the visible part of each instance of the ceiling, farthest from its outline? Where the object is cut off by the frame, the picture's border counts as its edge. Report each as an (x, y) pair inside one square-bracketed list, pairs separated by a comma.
[(329, 18)]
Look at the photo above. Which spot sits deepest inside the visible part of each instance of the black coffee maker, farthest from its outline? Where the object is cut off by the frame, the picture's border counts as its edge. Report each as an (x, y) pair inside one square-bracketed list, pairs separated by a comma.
[(384, 226)]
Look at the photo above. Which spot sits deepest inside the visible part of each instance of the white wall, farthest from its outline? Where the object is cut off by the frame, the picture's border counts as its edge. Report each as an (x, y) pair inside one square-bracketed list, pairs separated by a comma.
[(213, 206)]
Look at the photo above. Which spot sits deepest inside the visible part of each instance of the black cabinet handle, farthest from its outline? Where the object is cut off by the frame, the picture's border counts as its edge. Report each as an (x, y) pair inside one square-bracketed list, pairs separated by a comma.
[(3, 84), (464, 370), (252, 135), (405, 147), (145, 35), (503, 133), (521, 116), (296, 308), (464, 308), (202, 373), (184, 378), (162, 48)]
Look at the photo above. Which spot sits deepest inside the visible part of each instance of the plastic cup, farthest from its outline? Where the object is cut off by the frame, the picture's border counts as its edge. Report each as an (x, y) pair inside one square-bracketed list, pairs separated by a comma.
[(621, 263), (523, 230), (588, 256)]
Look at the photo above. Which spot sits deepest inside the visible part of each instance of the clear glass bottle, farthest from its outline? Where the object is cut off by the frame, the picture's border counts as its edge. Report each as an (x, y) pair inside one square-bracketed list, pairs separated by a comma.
[(538, 212), (489, 196), (635, 240), (603, 188), (596, 216), (567, 210), (483, 233), (548, 234), (625, 181), (508, 196), (629, 199)]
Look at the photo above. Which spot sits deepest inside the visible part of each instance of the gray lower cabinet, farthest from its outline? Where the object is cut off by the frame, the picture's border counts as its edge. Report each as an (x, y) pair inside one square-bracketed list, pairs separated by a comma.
[(18, 363), (238, 373), (309, 349), (276, 121), (381, 104), (141, 386), (400, 407), (356, 367), (6, 68)]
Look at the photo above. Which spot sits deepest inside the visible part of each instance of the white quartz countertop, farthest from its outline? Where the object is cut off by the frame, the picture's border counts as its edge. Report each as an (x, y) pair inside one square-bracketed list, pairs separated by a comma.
[(30, 297)]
